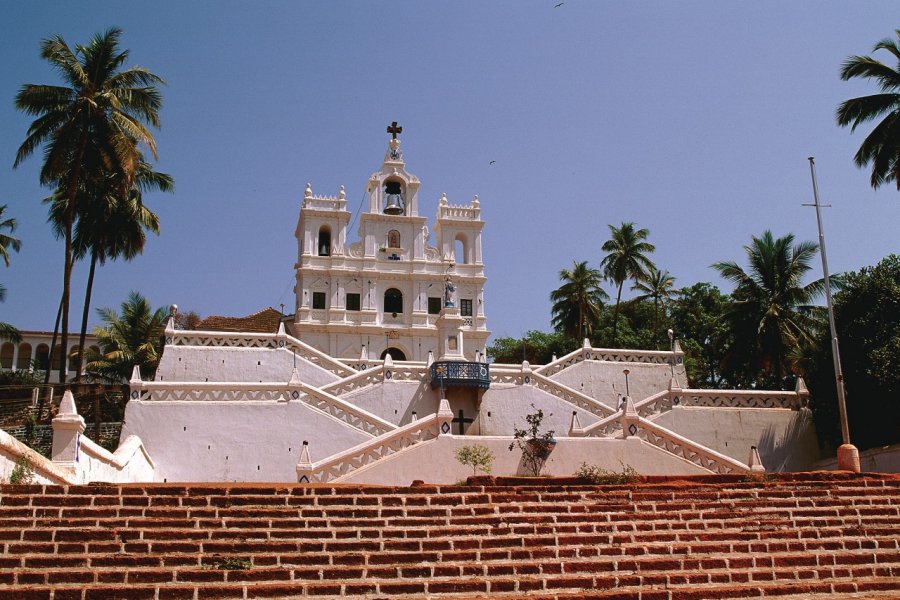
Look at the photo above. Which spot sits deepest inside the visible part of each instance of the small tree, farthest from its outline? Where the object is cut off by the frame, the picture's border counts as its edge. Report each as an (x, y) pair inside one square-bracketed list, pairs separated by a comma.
[(477, 456), (535, 446)]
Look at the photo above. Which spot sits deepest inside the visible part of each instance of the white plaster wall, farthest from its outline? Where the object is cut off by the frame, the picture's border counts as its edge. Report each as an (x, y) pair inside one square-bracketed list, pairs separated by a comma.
[(508, 406), (786, 439), (394, 401), (201, 363), (129, 463), (604, 381), (434, 461), (234, 441)]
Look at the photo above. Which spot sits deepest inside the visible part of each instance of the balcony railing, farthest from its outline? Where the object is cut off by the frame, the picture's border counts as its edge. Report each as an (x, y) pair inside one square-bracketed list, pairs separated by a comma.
[(453, 373)]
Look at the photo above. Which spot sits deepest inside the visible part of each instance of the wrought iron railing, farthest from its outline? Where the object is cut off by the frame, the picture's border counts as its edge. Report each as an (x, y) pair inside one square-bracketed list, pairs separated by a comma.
[(453, 373)]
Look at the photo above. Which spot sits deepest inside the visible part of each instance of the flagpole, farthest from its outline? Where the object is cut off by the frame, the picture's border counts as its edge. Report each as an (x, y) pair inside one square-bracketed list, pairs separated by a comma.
[(847, 454)]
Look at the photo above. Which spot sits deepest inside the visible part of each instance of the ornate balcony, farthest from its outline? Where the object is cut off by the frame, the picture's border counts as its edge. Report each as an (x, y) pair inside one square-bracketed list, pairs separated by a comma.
[(460, 373)]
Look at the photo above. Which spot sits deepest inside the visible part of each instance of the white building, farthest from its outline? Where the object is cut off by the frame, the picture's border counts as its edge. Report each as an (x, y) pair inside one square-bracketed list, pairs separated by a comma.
[(399, 288)]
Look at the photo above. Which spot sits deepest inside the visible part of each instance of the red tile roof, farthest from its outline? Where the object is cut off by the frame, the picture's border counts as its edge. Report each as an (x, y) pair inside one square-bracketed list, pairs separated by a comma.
[(264, 321)]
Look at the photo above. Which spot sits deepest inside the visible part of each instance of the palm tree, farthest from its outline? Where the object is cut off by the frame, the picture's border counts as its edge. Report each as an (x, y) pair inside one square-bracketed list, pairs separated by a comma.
[(577, 302), (658, 287), (626, 259), (882, 146), (112, 226), (133, 338), (772, 312), (7, 243), (91, 125)]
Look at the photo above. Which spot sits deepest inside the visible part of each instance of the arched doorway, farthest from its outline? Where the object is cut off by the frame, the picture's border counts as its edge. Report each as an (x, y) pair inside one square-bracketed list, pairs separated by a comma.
[(396, 354)]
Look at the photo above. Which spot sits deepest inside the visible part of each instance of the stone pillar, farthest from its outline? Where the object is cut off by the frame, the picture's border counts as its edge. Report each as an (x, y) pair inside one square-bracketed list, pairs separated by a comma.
[(629, 419), (450, 336), (67, 429), (445, 417)]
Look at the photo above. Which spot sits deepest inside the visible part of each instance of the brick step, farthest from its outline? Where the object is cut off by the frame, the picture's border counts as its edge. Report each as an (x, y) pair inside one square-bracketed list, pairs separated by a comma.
[(692, 586)]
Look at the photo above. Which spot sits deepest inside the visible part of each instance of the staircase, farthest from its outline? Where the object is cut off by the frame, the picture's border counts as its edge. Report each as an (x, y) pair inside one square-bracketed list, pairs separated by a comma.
[(819, 535)]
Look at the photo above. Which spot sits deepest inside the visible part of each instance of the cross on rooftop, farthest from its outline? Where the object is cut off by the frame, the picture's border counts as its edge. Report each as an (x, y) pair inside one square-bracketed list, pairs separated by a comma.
[(394, 129)]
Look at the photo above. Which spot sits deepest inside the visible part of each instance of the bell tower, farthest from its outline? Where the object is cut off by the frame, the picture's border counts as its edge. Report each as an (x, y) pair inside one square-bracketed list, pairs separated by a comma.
[(388, 291)]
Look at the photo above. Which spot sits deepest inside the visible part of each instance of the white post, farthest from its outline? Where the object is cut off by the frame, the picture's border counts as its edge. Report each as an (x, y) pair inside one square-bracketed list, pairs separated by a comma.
[(68, 426)]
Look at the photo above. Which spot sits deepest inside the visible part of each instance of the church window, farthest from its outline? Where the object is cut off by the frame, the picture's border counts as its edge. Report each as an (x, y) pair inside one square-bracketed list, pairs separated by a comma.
[(318, 300), (435, 305), (393, 301), (324, 243), (6, 355), (352, 301), (465, 307), (393, 239)]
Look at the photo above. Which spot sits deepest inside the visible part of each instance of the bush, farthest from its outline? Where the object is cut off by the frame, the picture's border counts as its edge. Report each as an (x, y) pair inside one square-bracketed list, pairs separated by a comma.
[(477, 456), (535, 446), (599, 476)]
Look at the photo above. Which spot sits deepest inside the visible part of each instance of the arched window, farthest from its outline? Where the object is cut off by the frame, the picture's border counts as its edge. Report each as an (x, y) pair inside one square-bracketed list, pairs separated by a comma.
[(56, 358), (393, 239), (324, 243), (393, 301), (460, 249), (23, 363), (396, 354), (42, 356), (73, 357), (6, 355)]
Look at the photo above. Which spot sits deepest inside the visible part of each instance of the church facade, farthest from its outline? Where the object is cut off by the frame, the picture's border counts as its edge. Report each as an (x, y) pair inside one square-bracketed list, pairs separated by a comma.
[(399, 288)]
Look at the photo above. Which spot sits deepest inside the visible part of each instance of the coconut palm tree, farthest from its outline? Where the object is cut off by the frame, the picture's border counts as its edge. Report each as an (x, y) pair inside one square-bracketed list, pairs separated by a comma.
[(7, 243), (626, 258), (771, 313), (577, 302), (91, 125), (111, 226), (657, 287), (882, 146), (134, 337)]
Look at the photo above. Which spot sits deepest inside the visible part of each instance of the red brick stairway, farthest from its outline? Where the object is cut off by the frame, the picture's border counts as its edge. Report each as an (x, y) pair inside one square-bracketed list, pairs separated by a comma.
[(806, 535)]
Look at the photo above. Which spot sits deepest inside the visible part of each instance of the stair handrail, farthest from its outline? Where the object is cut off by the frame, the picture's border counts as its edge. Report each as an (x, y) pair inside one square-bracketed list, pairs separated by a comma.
[(570, 395), (686, 449), (338, 466), (661, 357)]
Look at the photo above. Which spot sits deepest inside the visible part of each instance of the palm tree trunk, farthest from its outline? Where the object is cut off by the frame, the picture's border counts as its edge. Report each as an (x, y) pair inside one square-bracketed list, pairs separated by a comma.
[(72, 194), (616, 314), (44, 397), (84, 315)]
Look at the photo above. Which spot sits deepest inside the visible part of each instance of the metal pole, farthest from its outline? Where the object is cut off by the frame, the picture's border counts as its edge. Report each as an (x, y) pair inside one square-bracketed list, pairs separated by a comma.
[(838, 374)]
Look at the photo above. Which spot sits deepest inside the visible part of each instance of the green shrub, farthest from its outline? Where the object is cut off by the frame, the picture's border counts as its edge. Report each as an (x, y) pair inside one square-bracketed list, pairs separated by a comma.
[(600, 476), (23, 472), (477, 457)]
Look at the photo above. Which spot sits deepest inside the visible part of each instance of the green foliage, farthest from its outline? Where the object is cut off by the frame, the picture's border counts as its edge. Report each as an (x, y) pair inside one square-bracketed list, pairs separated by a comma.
[(627, 258), (537, 347), (771, 313), (657, 287), (476, 456), (882, 146), (867, 314), (133, 338), (600, 476), (697, 319), (577, 302), (22, 473), (534, 444)]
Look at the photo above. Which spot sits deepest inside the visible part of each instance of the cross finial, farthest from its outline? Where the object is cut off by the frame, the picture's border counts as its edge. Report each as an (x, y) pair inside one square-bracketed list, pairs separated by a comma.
[(394, 129)]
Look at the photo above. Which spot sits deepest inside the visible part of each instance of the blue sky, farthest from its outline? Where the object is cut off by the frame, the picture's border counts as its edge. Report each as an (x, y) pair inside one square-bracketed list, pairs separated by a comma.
[(693, 119)]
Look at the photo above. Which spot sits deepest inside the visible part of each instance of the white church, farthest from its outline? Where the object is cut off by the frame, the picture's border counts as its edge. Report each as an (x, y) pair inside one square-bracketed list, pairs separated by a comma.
[(380, 376)]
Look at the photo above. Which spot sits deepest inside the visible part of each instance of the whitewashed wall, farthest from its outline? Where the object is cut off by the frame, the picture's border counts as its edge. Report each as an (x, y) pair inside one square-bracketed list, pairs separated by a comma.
[(234, 441), (508, 406), (604, 381), (202, 363), (434, 461), (786, 438)]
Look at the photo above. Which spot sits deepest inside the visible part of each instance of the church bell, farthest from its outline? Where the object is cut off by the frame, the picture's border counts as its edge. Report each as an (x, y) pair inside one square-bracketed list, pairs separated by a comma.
[(393, 203)]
